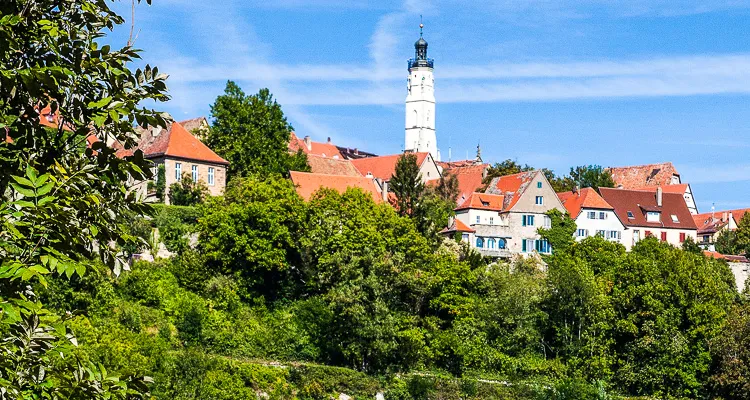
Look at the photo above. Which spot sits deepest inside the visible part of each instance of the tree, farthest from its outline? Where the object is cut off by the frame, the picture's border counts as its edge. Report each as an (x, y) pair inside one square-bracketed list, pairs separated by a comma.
[(593, 176), (507, 167), (406, 184), (60, 90), (560, 233), (187, 192), (447, 187), (743, 234), (559, 183), (252, 133), (161, 182), (726, 242)]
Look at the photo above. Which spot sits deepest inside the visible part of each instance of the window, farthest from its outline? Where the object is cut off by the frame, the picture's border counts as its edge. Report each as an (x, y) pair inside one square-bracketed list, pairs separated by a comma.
[(539, 200), (527, 220), (194, 173), (478, 219), (527, 245), (648, 234), (465, 237), (602, 215), (630, 215), (501, 243), (706, 238), (542, 246), (682, 237), (601, 233), (636, 236), (547, 222), (613, 235), (653, 216), (675, 219), (177, 171), (490, 243), (492, 221), (591, 215), (539, 185), (582, 232), (664, 236), (210, 176), (480, 243)]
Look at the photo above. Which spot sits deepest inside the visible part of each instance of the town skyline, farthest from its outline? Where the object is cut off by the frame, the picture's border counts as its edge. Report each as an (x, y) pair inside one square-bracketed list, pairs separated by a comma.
[(663, 82)]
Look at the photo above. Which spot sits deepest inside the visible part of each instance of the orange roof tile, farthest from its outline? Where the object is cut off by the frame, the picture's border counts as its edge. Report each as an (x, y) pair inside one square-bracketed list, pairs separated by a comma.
[(711, 222), (383, 167), (194, 123), (584, 198), (308, 183), (331, 166), (174, 141), (511, 186), (457, 226), (714, 254), (636, 176), (483, 201), (316, 148), (679, 188)]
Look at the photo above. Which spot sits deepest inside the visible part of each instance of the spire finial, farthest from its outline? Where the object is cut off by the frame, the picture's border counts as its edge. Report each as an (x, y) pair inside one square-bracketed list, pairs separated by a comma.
[(421, 25)]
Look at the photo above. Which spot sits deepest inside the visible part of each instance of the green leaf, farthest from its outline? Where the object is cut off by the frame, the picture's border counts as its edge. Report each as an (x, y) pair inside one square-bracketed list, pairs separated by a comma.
[(45, 189), (24, 203), (101, 103), (80, 270), (23, 181), (31, 173), (23, 191)]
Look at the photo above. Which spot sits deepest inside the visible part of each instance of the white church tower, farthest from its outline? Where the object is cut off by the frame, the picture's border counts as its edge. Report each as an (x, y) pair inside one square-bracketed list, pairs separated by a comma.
[(420, 103)]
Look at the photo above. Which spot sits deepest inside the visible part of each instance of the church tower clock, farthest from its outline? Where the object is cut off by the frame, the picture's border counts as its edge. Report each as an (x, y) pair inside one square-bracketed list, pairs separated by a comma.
[(420, 102)]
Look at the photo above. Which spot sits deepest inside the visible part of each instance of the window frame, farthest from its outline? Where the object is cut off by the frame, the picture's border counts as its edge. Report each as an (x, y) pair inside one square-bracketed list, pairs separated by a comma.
[(177, 171), (211, 176), (539, 200), (194, 172)]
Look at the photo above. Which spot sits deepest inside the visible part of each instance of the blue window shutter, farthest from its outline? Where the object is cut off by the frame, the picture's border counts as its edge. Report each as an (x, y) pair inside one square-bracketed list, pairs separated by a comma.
[(523, 220), (523, 245)]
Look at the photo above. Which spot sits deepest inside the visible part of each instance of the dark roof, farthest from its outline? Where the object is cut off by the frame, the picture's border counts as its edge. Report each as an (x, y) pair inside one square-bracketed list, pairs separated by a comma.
[(639, 201)]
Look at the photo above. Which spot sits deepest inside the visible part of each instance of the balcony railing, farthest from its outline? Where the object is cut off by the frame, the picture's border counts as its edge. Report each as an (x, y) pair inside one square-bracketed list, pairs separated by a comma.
[(421, 63)]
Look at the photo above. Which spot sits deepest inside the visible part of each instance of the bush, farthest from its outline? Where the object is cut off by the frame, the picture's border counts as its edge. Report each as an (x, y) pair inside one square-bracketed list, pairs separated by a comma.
[(186, 192)]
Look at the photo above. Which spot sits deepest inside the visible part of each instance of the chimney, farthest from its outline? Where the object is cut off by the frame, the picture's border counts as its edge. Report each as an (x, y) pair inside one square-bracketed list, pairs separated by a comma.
[(577, 190), (725, 217), (659, 195), (369, 175), (156, 131), (385, 191), (356, 152), (329, 140), (308, 143)]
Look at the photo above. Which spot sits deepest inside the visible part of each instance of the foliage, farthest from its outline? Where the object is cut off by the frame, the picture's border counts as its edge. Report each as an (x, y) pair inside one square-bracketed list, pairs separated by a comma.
[(252, 133), (447, 187), (507, 167), (406, 184), (691, 246), (593, 176), (561, 231), (730, 377), (161, 182), (187, 192), (743, 234), (726, 242)]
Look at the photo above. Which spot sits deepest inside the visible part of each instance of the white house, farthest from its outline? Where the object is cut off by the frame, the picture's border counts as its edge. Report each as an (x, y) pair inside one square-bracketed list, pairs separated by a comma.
[(651, 213), (504, 221), (593, 215)]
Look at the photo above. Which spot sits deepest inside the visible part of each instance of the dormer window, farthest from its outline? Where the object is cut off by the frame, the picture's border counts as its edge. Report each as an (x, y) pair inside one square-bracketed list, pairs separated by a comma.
[(653, 216), (675, 219), (630, 215), (486, 203)]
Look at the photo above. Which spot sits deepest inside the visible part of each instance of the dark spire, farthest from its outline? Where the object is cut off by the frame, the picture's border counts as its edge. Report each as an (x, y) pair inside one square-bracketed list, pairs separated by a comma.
[(420, 51)]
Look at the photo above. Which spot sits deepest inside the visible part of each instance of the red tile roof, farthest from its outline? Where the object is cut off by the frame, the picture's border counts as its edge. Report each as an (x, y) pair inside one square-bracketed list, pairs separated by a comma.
[(714, 254), (174, 141), (710, 222), (639, 201), (383, 167), (308, 183), (482, 201), (511, 186), (194, 123), (316, 148), (331, 166), (584, 198), (457, 226), (637, 176), (679, 188)]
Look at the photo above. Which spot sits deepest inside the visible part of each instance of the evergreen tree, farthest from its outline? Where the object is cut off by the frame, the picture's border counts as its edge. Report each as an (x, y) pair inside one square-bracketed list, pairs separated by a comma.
[(252, 133), (726, 242), (406, 184), (593, 176), (743, 234)]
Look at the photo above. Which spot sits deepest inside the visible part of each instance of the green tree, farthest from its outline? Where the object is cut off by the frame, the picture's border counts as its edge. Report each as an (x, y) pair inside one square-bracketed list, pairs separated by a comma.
[(187, 192), (406, 184), (560, 233), (447, 187), (593, 176), (507, 167), (726, 242), (58, 196), (743, 234), (252, 133), (730, 377), (161, 182)]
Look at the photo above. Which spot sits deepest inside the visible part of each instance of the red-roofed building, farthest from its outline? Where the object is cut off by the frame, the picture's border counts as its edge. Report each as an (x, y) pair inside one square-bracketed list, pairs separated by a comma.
[(383, 167), (469, 174), (710, 225), (308, 183), (593, 215), (651, 213), (680, 188), (638, 176), (331, 166), (505, 219), (181, 153), (314, 148)]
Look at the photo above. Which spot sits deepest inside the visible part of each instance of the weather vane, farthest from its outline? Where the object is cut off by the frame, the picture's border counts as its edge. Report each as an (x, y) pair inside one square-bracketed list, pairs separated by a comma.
[(421, 25)]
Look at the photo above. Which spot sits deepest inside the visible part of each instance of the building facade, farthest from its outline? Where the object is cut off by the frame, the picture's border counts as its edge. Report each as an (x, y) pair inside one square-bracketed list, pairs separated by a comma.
[(592, 214), (504, 221), (420, 103), (646, 213)]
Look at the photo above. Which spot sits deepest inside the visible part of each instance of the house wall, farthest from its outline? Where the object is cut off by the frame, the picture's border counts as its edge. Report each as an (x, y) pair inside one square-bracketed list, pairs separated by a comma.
[(690, 201), (609, 223), (629, 237), (429, 169), (170, 164)]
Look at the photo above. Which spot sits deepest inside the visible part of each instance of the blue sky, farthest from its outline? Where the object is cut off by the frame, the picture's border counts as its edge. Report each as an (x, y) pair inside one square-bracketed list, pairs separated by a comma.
[(549, 83)]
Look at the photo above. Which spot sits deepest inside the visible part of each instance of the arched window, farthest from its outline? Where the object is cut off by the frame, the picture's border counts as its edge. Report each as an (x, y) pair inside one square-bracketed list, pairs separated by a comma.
[(501, 244), (480, 242), (490, 243)]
